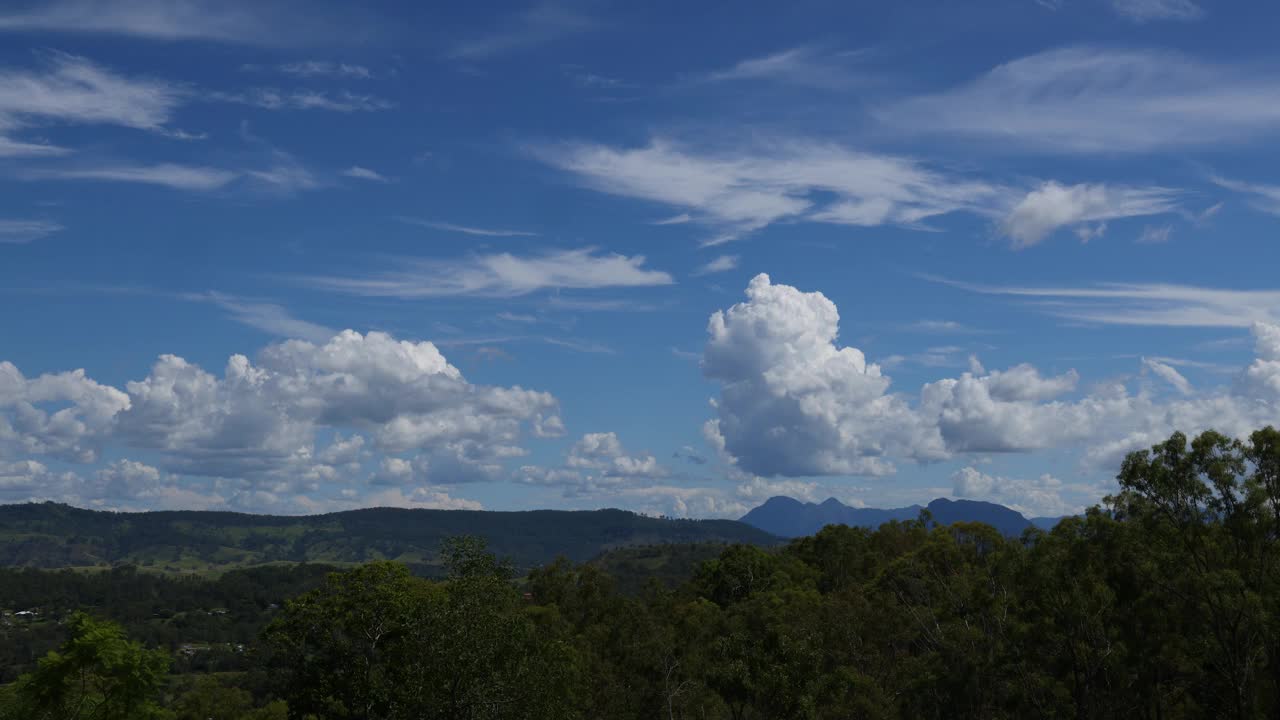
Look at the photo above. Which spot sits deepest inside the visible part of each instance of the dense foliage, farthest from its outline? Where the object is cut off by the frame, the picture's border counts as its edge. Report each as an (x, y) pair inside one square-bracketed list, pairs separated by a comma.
[(1164, 603), (50, 535)]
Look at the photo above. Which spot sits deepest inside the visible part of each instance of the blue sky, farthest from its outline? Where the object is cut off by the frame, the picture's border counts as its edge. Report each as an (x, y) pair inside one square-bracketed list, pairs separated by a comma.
[(300, 257)]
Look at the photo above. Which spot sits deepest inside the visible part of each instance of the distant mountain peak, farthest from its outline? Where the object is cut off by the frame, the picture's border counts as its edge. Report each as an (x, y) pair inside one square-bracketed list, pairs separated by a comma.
[(788, 517)]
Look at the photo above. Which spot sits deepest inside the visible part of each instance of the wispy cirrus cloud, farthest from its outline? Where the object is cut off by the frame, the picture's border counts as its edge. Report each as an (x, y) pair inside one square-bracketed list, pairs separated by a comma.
[(499, 275), (1144, 11), (543, 23), (268, 317), (171, 175), (1099, 100), (1260, 196), (325, 68), (465, 229), (740, 190), (799, 66), (364, 173), (71, 89), (10, 148), (251, 23), (18, 232), (1149, 304), (306, 99)]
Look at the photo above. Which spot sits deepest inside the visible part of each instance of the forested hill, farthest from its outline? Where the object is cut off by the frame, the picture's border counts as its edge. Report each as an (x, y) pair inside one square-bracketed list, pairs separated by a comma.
[(51, 535)]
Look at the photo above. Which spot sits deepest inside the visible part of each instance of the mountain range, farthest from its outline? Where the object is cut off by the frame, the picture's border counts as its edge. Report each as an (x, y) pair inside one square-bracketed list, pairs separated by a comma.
[(787, 517), (51, 535)]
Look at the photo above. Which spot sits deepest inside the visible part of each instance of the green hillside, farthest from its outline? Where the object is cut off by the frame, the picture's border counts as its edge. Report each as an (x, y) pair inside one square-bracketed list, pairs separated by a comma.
[(50, 535)]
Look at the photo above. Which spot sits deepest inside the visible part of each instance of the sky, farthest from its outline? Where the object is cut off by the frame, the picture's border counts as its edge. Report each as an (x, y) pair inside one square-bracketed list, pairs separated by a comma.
[(288, 257)]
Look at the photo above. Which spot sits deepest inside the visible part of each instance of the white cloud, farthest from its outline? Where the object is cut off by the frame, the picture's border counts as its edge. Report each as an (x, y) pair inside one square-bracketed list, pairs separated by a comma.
[(1092, 99), (363, 173), (275, 99), (603, 453), (501, 275), (723, 263), (543, 23), (179, 177), (1153, 304), (1142, 11), (466, 229), (597, 465), (1168, 374), (680, 219), (943, 327), (1052, 206), (424, 497), (285, 175), (29, 480), (267, 317), (793, 403), (744, 190), (1261, 197), (69, 88), (25, 231), (1155, 234), (235, 22), (323, 68), (255, 436), (62, 415), (125, 480), (801, 66), (1033, 498), (16, 148)]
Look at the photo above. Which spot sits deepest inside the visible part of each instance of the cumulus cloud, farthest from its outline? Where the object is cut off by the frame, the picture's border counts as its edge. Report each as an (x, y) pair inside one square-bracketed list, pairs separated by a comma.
[(29, 480), (63, 415), (1052, 206), (597, 463), (794, 403), (501, 275), (257, 432), (1100, 100), (1041, 497)]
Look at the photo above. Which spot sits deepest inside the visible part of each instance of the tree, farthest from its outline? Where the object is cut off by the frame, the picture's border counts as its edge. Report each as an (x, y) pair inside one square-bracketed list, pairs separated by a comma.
[(98, 674)]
